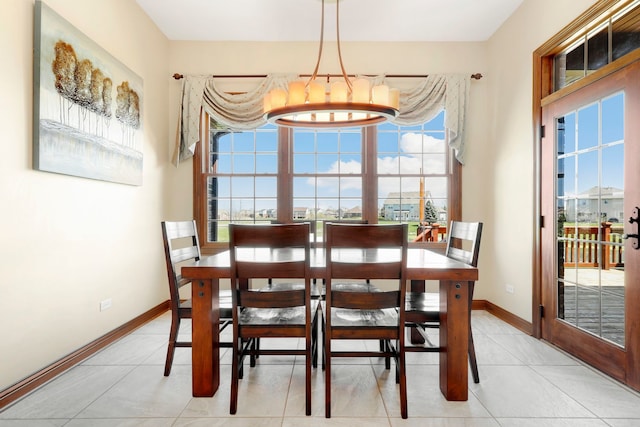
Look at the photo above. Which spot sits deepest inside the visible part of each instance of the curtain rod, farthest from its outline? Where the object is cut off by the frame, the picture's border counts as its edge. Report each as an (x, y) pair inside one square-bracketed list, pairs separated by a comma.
[(177, 76)]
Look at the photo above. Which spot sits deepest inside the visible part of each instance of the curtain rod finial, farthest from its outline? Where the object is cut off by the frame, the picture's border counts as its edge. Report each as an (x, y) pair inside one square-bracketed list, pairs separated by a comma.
[(476, 76), (177, 76)]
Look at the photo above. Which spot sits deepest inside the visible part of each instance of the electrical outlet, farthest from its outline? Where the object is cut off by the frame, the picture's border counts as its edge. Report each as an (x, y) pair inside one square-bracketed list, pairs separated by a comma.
[(105, 304), (509, 288)]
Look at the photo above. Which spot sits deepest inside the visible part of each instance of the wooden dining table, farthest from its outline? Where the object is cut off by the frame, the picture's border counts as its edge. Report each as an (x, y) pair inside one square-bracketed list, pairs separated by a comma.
[(422, 264)]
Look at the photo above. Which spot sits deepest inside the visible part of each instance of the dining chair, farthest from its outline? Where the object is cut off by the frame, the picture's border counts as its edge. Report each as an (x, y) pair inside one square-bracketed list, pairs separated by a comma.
[(257, 253), (359, 252), (423, 308), (181, 245)]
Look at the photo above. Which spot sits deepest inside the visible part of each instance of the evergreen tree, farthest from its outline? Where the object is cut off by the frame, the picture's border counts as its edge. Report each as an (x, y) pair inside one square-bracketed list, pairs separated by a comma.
[(430, 213)]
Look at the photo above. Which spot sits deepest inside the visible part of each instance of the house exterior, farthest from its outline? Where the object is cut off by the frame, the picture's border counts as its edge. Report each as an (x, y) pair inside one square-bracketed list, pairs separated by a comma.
[(355, 212), (596, 205), (401, 206), (406, 207), (300, 213)]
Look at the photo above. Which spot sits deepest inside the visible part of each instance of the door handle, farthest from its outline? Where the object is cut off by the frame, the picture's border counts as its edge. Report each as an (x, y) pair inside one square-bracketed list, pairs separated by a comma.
[(634, 218)]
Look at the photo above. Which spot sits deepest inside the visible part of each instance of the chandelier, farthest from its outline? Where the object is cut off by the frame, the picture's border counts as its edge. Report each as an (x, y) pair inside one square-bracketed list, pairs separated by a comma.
[(347, 103)]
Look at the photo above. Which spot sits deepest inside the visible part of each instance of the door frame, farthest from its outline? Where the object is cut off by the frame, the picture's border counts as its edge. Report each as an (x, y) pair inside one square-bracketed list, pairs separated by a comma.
[(543, 94)]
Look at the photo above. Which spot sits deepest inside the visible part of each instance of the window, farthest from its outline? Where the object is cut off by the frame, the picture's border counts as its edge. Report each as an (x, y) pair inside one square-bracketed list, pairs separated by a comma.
[(593, 48), (353, 174), (327, 174), (242, 179), (413, 169)]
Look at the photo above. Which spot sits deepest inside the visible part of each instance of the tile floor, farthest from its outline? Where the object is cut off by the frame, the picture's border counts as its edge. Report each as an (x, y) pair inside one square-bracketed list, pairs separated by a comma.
[(524, 382)]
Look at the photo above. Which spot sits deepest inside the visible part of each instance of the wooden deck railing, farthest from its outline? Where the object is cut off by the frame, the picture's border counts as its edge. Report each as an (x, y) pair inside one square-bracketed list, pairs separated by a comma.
[(430, 233), (581, 248)]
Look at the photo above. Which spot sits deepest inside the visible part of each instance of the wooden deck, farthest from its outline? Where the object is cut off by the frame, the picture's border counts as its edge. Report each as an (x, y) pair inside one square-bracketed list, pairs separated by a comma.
[(593, 300)]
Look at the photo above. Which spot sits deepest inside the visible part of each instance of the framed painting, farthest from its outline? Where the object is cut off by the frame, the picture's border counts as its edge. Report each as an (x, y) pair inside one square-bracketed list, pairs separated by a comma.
[(87, 106)]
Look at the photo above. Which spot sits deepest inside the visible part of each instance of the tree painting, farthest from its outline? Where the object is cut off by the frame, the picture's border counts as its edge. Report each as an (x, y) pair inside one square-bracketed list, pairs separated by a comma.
[(86, 88), (87, 106)]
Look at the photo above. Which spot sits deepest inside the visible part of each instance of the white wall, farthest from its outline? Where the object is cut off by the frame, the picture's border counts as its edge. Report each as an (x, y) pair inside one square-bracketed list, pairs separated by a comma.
[(508, 181), (67, 243)]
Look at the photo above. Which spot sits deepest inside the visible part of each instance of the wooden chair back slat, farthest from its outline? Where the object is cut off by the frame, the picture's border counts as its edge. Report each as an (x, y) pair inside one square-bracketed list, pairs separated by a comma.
[(269, 235), (464, 242), (356, 235), (387, 270), (281, 270), (185, 254), (365, 300), (283, 299)]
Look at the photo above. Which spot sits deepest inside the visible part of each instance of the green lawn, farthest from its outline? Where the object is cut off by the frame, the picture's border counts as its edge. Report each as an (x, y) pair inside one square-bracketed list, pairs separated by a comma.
[(223, 230)]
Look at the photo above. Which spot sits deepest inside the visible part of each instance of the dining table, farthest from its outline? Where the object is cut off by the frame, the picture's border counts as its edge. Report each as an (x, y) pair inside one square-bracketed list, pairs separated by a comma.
[(422, 265)]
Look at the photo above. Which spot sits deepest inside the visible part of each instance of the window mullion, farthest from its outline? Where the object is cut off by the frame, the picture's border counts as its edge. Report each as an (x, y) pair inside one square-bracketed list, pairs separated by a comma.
[(370, 174), (285, 174)]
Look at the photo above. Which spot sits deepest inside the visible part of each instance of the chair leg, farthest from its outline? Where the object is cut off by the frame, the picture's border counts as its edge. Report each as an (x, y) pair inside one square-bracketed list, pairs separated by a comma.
[(324, 349), (327, 378), (314, 342), (397, 360), (387, 359), (403, 380), (245, 346), (235, 375), (472, 360), (472, 349), (308, 362), (171, 348), (253, 352)]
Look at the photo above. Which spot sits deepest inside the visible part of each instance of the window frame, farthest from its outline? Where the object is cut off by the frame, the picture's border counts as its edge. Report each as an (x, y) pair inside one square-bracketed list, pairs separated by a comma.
[(285, 190)]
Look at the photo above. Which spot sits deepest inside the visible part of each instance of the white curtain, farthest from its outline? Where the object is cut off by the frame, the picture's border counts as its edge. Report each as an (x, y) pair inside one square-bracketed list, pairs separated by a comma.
[(424, 101), (244, 111)]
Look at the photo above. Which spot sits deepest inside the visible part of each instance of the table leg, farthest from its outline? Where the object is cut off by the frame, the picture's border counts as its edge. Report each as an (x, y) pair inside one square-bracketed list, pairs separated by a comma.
[(454, 339), (417, 286), (205, 336)]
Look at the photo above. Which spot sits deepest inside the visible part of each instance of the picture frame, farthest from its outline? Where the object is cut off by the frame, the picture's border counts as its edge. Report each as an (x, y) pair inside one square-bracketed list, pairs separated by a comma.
[(87, 105)]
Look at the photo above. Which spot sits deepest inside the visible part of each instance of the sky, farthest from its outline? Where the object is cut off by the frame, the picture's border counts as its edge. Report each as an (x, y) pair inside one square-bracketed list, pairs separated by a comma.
[(594, 146)]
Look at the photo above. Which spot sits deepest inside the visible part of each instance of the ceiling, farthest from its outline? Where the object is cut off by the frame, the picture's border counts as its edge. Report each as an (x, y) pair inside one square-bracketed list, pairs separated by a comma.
[(299, 20)]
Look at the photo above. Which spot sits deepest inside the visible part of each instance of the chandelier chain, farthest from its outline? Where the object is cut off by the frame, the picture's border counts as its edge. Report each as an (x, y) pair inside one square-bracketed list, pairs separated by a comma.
[(315, 71), (344, 73)]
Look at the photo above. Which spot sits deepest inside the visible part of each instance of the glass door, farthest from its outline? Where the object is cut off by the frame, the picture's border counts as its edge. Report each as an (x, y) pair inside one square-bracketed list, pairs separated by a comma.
[(590, 279)]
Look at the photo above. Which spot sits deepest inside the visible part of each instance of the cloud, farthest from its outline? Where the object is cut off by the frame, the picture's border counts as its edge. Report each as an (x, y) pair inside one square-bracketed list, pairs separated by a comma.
[(416, 142), (409, 161)]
